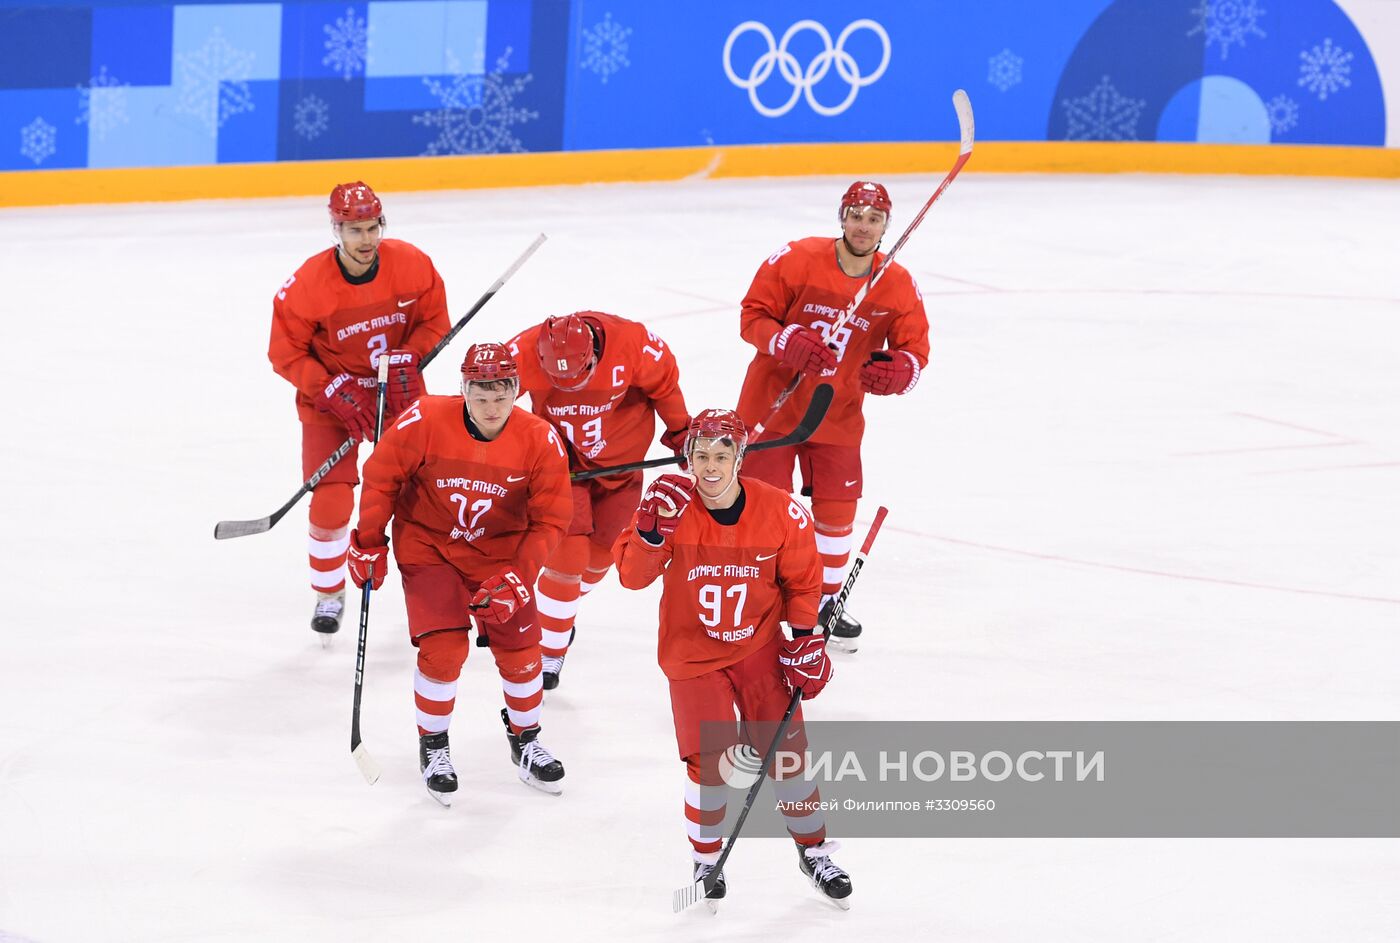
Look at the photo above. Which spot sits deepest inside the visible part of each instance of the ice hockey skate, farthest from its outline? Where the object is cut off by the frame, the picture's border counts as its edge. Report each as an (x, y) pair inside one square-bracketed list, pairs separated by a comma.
[(845, 631), (552, 665), (325, 621), (826, 876), (712, 899), (536, 766), (435, 760)]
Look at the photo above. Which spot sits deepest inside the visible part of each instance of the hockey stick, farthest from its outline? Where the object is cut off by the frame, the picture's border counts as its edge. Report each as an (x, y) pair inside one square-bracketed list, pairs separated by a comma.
[(966, 130), (688, 895), (816, 412), (368, 766), (225, 529)]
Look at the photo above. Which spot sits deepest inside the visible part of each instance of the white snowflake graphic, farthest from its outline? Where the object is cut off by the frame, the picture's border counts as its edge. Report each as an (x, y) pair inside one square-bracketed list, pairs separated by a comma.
[(311, 117), (478, 112), (347, 44), (605, 48), (1103, 115), (38, 140), (1227, 22), (1325, 70), (102, 104), (212, 83), (1004, 69), (1283, 114)]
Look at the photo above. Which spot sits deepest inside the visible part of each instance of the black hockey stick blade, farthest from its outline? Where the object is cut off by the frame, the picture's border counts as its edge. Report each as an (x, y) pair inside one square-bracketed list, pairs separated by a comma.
[(811, 419)]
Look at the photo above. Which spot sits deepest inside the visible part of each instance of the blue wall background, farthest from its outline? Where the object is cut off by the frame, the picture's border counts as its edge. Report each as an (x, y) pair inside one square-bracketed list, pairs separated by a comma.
[(121, 84)]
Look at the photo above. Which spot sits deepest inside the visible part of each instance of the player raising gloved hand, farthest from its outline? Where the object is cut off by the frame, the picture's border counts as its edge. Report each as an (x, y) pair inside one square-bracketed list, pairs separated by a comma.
[(405, 382), (805, 665), (366, 559), (662, 505), (349, 402), (889, 372), (500, 596), (804, 349), (720, 635)]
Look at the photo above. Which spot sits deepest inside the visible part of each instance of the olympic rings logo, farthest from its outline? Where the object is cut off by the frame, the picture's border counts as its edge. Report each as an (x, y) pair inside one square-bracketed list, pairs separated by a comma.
[(802, 80)]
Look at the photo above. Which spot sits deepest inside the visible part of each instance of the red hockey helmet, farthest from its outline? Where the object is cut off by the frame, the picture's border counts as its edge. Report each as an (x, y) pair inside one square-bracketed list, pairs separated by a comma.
[(487, 362), (865, 193), (353, 202), (566, 352), (718, 424)]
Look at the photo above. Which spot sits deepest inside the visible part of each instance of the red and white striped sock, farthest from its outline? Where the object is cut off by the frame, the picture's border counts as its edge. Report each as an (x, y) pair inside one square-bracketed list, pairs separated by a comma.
[(434, 700), (800, 803), (599, 562), (328, 535), (704, 811), (326, 550), (440, 659), (522, 682), (835, 524), (556, 600)]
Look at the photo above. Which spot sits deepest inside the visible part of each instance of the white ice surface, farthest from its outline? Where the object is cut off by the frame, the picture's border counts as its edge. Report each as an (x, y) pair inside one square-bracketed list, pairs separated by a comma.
[(1151, 473)]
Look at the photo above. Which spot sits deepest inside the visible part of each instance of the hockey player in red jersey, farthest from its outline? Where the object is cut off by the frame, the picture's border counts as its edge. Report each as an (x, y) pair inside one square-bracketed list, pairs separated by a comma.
[(600, 380), (732, 570), (791, 316), (478, 491), (330, 322)]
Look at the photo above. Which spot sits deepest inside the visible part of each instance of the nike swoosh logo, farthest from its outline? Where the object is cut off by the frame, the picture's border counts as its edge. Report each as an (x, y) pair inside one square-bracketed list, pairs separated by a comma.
[(405, 304), (515, 478), (878, 314), (526, 628), (617, 396), (762, 557), (792, 734), (852, 482)]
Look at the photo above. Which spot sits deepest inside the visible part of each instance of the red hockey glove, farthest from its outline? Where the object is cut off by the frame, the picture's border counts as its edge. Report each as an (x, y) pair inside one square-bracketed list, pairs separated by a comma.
[(364, 556), (889, 372), (349, 402), (663, 504), (405, 381), (805, 665), (500, 597), (804, 350), (674, 439)]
